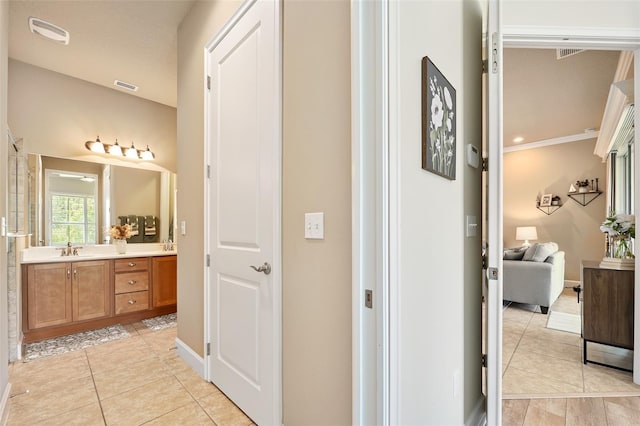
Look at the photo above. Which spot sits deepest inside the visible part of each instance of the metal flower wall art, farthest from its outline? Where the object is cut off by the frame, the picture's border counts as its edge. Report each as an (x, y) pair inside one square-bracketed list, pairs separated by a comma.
[(438, 122)]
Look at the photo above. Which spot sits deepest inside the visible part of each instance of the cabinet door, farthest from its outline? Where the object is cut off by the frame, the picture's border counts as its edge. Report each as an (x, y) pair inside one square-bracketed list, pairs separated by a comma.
[(48, 294), (91, 290), (164, 280)]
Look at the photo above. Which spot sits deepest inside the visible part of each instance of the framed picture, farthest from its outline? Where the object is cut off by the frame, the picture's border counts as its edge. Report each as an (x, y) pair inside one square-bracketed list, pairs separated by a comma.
[(438, 122), (546, 199)]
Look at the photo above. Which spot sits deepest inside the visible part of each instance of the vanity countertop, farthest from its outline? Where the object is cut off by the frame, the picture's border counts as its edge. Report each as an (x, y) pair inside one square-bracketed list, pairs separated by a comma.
[(49, 254)]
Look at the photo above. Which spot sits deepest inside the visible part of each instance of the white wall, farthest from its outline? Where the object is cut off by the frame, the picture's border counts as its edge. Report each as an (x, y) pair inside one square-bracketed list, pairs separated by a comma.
[(4, 344), (437, 280)]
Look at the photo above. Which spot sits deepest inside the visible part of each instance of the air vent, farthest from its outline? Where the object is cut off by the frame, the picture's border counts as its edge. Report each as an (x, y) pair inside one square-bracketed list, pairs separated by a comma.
[(125, 85), (565, 53), (48, 30)]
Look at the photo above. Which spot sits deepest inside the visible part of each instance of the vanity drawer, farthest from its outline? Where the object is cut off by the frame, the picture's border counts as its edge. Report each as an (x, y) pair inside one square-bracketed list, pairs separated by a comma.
[(132, 281), (132, 264), (130, 302)]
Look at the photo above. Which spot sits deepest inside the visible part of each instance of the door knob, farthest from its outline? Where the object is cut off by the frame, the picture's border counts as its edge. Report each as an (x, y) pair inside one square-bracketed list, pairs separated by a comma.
[(266, 268)]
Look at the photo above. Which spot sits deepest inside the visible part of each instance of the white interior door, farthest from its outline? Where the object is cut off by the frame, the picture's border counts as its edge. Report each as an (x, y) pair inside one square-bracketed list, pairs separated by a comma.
[(243, 219), (494, 216)]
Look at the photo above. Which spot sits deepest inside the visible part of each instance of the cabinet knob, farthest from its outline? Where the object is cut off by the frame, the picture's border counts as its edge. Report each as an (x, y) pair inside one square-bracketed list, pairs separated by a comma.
[(132, 264), (132, 282), (132, 301)]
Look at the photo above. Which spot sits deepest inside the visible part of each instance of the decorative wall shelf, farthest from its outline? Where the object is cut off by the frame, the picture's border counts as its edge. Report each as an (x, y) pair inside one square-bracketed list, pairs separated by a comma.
[(584, 198), (548, 210)]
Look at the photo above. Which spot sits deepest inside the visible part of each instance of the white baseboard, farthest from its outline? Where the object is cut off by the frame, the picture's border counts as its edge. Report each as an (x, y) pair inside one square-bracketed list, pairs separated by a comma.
[(4, 405), (570, 284), (478, 416), (195, 361)]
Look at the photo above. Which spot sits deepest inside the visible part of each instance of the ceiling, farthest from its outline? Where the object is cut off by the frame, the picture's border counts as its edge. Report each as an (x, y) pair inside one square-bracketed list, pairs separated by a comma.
[(136, 41), (546, 98), (133, 41)]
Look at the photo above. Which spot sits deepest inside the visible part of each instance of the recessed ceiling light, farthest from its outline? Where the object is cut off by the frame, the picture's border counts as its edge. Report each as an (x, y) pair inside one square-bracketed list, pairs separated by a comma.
[(518, 139), (124, 85), (48, 30)]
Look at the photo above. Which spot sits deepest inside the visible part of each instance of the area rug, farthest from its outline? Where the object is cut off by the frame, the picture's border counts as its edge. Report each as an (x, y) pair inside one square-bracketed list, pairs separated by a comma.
[(73, 342), (564, 322), (161, 322)]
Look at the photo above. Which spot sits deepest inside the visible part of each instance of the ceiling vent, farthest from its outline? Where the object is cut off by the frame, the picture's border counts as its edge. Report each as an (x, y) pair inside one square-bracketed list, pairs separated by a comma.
[(48, 30), (565, 53), (125, 85)]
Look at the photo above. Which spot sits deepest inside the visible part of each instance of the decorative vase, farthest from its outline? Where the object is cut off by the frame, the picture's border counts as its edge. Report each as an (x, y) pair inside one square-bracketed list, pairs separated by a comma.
[(621, 247), (121, 246), (583, 189)]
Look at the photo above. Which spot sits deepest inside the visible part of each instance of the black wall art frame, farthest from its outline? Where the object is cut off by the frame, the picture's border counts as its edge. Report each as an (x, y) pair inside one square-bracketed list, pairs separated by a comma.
[(438, 122)]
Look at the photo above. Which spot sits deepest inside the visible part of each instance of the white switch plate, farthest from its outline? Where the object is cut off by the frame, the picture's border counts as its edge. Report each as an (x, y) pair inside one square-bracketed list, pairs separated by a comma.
[(472, 226), (183, 227), (314, 226)]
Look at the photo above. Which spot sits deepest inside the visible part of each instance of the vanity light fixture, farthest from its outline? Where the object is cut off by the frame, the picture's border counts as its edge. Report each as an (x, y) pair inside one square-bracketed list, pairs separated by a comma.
[(116, 150)]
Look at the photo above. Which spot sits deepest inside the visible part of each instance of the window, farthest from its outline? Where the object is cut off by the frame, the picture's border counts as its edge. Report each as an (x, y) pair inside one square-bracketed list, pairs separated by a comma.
[(71, 208), (73, 218)]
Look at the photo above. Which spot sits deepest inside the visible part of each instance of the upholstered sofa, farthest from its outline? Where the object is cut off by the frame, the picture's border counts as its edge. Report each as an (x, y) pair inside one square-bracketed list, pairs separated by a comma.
[(534, 276)]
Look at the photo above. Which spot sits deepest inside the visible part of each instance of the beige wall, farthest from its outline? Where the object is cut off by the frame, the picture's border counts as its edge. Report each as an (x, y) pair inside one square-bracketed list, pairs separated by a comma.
[(137, 192), (551, 170), (4, 341), (202, 23), (317, 177), (56, 114)]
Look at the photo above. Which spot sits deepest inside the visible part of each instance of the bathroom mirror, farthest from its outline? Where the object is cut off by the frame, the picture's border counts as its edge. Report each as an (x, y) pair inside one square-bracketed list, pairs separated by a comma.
[(95, 195)]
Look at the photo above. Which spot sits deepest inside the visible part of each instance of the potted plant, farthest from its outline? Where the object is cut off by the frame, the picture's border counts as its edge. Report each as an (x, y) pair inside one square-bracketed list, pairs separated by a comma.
[(583, 185)]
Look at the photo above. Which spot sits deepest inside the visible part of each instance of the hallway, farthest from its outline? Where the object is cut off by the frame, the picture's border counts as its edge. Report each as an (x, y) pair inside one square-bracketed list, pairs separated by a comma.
[(133, 381)]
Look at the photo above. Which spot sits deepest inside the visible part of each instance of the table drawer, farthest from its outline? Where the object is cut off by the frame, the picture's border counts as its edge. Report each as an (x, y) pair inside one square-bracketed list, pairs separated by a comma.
[(131, 302), (132, 264), (132, 281)]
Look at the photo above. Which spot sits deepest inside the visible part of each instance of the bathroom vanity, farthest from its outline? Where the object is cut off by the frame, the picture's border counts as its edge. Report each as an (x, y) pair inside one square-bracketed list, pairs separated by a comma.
[(67, 294)]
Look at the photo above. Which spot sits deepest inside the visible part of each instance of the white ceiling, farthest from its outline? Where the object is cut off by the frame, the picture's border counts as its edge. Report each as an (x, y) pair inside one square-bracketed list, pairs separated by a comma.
[(133, 41), (546, 98)]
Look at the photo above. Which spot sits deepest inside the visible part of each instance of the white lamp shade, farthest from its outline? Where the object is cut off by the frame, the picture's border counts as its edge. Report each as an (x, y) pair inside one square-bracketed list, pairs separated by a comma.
[(526, 233)]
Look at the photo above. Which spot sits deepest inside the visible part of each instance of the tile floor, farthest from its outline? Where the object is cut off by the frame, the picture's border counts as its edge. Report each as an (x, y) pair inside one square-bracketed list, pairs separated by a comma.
[(134, 381), (539, 362)]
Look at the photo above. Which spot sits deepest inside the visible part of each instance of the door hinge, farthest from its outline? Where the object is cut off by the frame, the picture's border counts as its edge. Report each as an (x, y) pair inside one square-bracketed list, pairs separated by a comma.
[(208, 260), (209, 82), (485, 261), (208, 348), (494, 53), (484, 360), (485, 164), (485, 66)]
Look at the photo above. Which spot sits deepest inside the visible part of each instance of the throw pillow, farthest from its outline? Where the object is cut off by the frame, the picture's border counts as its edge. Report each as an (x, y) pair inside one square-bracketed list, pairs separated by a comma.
[(539, 252), (513, 254)]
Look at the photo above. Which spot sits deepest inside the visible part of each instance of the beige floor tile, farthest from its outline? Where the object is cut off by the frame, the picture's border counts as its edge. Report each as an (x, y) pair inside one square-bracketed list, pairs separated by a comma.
[(191, 414), (90, 415), (162, 341), (174, 363), (145, 403), (129, 376), (517, 313), (223, 411), (547, 367), (46, 402), (547, 412), (545, 334), (513, 411), (585, 412), (551, 348), (194, 384), (522, 382), (622, 411), (119, 356), (47, 370), (604, 379)]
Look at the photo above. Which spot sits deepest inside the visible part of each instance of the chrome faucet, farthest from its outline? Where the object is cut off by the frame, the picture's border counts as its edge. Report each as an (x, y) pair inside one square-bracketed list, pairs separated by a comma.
[(69, 250)]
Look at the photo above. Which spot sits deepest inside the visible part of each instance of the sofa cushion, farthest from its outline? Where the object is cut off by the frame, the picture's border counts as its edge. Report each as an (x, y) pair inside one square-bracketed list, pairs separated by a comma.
[(539, 252), (514, 254)]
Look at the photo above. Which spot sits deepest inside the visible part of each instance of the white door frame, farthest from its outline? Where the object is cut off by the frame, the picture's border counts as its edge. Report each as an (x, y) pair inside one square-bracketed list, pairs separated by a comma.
[(369, 41), (277, 198)]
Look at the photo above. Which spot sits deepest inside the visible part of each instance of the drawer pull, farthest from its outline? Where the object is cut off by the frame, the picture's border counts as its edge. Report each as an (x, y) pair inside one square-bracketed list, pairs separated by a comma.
[(132, 264), (132, 301), (131, 282)]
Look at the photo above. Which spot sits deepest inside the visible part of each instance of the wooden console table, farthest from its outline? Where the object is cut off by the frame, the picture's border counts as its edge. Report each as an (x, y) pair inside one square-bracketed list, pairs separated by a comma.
[(607, 311)]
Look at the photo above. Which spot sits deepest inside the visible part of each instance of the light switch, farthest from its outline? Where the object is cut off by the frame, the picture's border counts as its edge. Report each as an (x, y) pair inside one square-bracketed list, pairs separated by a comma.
[(183, 227), (314, 226), (472, 226)]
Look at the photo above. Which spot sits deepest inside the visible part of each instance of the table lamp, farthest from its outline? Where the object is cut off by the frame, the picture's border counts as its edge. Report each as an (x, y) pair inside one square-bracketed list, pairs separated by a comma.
[(526, 233)]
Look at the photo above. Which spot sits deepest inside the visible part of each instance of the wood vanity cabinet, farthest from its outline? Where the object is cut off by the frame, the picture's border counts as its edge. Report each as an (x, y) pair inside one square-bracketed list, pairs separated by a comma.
[(165, 279), (60, 298), (59, 293)]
